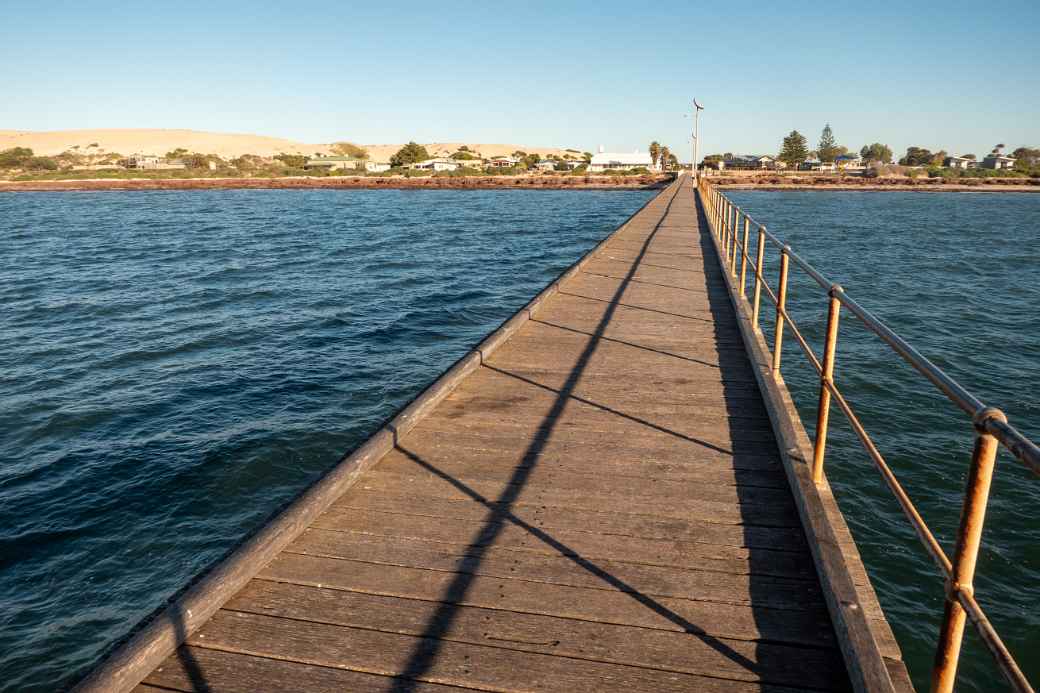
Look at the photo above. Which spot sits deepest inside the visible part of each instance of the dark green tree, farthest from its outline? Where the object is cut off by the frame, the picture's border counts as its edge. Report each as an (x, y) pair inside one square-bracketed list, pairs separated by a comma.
[(292, 160), (876, 152), (827, 149), (916, 156), (666, 157), (794, 150), (409, 154), (1026, 159)]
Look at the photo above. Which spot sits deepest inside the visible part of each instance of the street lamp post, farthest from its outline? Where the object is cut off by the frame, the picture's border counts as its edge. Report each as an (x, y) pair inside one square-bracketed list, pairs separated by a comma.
[(697, 108)]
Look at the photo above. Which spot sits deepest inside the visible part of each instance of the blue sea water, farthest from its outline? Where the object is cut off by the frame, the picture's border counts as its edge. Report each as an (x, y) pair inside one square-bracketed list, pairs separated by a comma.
[(958, 276), (176, 365)]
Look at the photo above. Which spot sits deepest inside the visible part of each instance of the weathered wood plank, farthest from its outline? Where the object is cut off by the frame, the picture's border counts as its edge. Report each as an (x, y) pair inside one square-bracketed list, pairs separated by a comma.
[(810, 627), (671, 651), (441, 661), (616, 525), (671, 551), (573, 570), (197, 669)]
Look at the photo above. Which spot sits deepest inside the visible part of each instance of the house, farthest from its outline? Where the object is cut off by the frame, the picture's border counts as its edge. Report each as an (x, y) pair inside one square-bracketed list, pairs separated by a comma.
[(998, 162), (751, 161), (335, 163), (502, 162), (849, 162), (604, 161), (435, 165), (377, 166), (147, 161), (547, 165), (817, 165), (959, 162)]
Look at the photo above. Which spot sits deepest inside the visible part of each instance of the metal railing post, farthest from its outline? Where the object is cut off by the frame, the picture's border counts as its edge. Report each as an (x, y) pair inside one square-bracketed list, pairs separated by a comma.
[(969, 537), (744, 257), (733, 255), (781, 307), (823, 409), (758, 273)]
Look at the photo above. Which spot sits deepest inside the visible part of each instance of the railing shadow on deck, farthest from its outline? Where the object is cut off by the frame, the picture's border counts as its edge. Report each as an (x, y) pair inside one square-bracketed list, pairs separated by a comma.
[(501, 509)]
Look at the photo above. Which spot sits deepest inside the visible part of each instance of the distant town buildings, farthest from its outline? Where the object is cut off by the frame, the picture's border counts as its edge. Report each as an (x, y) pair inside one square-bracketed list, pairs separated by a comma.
[(435, 165), (613, 161), (998, 162), (334, 163), (961, 162)]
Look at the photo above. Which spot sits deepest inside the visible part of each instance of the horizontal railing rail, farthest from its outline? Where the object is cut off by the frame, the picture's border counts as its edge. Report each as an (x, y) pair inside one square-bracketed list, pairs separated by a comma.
[(732, 226)]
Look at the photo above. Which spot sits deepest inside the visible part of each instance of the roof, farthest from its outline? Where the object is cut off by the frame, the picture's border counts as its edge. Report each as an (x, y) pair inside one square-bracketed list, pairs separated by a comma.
[(848, 157), (1000, 157), (629, 159)]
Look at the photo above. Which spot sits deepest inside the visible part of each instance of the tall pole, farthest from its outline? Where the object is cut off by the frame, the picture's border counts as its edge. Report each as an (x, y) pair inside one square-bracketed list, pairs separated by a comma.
[(697, 108)]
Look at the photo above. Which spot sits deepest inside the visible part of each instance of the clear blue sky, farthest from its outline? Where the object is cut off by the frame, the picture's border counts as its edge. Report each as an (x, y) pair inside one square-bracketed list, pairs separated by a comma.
[(960, 76)]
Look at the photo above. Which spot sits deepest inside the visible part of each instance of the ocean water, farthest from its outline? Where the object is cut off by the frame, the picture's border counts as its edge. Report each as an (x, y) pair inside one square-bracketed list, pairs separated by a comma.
[(958, 276), (176, 365)]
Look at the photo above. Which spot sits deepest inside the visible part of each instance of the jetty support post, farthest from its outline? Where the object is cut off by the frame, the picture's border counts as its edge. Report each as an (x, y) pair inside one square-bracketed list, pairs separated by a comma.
[(781, 308), (823, 409), (744, 258), (969, 538), (758, 274), (736, 228)]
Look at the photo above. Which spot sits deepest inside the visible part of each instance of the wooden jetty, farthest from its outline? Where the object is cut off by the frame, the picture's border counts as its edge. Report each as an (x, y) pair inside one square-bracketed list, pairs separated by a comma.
[(601, 496)]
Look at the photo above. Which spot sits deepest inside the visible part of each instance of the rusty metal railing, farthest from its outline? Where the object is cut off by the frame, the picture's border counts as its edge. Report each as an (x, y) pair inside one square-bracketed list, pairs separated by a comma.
[(992, 429)]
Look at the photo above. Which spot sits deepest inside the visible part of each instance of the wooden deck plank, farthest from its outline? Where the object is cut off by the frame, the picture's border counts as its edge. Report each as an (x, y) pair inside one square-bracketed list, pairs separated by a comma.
[(444, 661), (599, 505), (670, 651), (615, 525)]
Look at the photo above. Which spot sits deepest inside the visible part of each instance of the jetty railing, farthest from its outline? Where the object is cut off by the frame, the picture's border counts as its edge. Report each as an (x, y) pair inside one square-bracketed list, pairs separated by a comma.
[(732, 227)]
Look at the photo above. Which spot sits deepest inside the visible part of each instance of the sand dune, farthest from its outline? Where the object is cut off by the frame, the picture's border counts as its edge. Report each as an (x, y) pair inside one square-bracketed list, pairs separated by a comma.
[(226, 145)]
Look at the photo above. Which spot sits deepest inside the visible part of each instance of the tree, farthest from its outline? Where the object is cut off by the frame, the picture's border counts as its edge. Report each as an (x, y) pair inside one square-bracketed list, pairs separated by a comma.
[(939, 158), (673, 161), (916, 156), (409, 154), (1026, 159), (587, 156), (998, 150), (292, 160), (463, 155), (530, 160), (655, 151), (15, 157), (666, 156), (349, 149), (794, 150), (827, 149), (969, 156), (177, 153)]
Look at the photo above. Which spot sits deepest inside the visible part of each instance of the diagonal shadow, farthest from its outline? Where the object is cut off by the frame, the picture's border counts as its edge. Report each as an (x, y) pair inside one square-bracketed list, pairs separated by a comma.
[(503, 515), (425, 652), (635, 307), (708, 364)]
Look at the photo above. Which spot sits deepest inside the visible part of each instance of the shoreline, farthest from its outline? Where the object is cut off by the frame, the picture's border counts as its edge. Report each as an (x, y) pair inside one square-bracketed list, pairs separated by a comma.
[(651, 182)]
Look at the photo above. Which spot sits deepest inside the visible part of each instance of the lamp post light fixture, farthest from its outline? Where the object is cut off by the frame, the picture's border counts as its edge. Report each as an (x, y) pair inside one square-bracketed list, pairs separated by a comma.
[(697, 108)]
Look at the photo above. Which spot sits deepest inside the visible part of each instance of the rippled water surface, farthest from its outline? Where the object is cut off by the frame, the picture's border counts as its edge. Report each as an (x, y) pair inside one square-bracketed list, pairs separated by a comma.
[(176, 365), (958, 275)]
